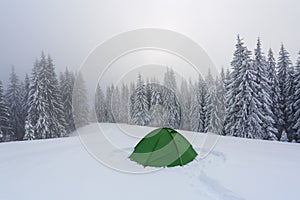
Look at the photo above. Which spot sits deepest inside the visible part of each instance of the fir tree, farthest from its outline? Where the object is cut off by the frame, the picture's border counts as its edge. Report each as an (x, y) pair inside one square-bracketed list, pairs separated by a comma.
[(66, 84), (170, 80), (14, 103), (215, 119), (156, 105), (5, 130), (172, 111), (124, 103), (232, 89), (198, 103), (80, 105), (116, 105), (296, 117), (263, 94), (45, 114), (208, 102), (274, 92), (109, 96), (100, 106), (36, 103), (285, 88), (243, 115), (185, 102), (140, 105), (53, 97)]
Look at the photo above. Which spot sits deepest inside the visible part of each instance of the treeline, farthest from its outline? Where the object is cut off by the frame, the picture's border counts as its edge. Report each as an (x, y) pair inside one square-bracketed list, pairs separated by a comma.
[(258, 98), (40, 107)]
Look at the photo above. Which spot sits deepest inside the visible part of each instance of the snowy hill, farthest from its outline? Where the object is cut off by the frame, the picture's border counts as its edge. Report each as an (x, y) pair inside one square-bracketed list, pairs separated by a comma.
[(62, 169)]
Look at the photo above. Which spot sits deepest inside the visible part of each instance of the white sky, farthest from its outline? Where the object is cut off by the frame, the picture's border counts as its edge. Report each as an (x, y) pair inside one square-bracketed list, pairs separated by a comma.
[(70, 29)]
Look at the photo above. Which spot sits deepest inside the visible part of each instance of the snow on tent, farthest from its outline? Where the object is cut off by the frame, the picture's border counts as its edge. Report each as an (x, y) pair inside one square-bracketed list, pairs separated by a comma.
[(163, 147)]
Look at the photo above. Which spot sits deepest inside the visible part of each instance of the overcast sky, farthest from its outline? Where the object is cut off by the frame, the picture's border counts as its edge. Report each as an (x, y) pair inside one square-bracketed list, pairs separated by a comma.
[(70, 29)]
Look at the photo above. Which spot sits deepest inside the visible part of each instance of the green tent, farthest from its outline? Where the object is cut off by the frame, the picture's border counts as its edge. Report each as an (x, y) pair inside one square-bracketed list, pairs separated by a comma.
[(163, 147)]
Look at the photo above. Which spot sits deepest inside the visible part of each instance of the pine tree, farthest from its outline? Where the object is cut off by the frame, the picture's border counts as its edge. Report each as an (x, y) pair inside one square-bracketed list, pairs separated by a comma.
[(228, 88), (208, 96), (53, 97), (243, 115), (109, 96), (25, 96), (100, 106), (232, 89), (140, 105), (14, 102), (217, 113), (221, 94), (284, 137), (37, 104), (263, 94), (170, 80), (215, 121), (156, 110), (80, 105), (296, 117), (172, 111), (274, 92), (29, 134), (185, 103), (5, 130), (124, 103), (116, 104), (45, 115), (198, 103), (67, 84), (285, 87)]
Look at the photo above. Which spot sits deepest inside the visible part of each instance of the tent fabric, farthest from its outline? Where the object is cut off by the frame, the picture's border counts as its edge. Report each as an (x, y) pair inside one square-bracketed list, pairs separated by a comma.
[(163, 147)]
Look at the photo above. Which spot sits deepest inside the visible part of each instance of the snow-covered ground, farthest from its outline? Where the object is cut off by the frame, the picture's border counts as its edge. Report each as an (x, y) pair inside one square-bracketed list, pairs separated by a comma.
[(63, 169)]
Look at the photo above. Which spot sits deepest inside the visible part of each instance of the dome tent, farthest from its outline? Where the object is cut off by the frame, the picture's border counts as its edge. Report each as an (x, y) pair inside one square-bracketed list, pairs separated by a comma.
[(163, 147)]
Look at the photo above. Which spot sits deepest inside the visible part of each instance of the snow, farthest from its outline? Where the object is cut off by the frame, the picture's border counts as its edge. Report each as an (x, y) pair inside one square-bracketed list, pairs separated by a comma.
[(61, 168)]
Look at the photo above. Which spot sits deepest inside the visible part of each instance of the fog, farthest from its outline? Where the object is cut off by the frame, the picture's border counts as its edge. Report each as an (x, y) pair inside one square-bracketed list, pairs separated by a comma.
[(70, 29)]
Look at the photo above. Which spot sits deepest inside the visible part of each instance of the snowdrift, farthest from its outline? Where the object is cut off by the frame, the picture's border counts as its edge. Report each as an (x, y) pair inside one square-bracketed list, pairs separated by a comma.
[(63, 169)]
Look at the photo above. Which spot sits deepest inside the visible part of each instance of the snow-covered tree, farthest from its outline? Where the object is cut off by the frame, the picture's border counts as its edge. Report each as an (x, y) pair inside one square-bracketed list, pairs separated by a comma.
[(185, 103), (285, 88), (284, 137), (207, 102), (45, 114), (198, 106), (215, 121), (24, 100), (109, 96), (217, 110), (80, 105), (53, 97), (29, 134), (140, 105), (116, 104), (274, 92), (5, 130), (170, 80), (66, 84), (156, 110), (100, 106), (36, 103), (296, 117), (172, 110), (232, 86), (14, 103), (243, 115), (221, 94), (263, 92), (124, 103)]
